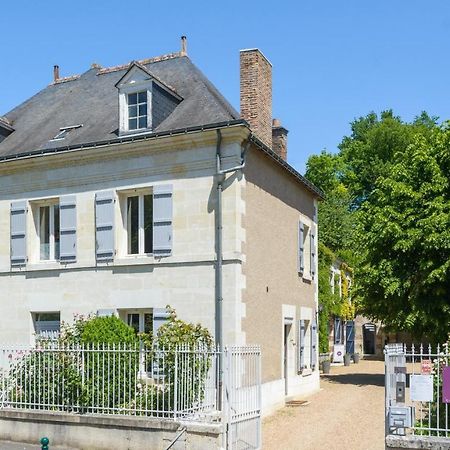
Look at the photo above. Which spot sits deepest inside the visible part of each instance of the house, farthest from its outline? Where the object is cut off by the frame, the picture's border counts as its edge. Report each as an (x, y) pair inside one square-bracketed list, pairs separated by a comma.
[(129, 188), (352, 332)]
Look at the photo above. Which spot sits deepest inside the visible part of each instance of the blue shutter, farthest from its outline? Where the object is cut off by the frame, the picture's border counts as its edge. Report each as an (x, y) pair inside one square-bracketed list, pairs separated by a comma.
[(162, 220), (68, 228), (160, 316), (313, 344), (301, 345), (104, 226), (312, 235), (350, 337), (18, 233), (301, 256), (105, 312)]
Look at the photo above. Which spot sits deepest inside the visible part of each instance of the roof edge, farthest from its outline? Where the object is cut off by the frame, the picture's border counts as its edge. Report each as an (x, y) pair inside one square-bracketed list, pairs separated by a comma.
[(268, 151), (123, 139)]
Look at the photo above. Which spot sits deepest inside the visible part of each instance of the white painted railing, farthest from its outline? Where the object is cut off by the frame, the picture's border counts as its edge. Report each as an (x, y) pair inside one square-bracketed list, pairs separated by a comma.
[(127, 379)]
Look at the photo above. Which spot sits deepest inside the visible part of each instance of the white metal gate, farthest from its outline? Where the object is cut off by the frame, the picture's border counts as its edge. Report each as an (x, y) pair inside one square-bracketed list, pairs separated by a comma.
[(242, 371)]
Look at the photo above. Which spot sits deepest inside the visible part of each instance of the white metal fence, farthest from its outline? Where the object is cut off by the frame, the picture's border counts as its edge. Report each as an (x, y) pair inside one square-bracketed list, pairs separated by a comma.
[(417, 390), (110, 379), (132, 379)]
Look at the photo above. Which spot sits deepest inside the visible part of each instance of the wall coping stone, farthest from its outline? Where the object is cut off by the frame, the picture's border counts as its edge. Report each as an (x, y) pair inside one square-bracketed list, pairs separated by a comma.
[(417, 442)]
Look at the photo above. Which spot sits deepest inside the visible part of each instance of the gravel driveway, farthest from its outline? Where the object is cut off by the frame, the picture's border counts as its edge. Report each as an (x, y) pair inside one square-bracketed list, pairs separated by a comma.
[(347, 414)]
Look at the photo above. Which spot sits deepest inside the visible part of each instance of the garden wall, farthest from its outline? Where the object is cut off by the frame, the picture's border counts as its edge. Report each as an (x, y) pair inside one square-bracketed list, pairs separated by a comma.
[(417, 442), (97, 432)]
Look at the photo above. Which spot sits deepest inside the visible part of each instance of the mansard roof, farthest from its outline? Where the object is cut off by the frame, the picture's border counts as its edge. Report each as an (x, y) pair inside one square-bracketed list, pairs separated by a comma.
[(90, 100)]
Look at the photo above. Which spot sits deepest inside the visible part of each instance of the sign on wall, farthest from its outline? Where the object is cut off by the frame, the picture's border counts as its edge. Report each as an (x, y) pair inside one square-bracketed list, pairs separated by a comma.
[(421, 389), (426, 366)]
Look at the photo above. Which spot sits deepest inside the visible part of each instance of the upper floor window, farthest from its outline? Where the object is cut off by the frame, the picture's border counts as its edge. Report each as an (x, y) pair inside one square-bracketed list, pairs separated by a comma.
[(139, 224), (49, 232), (137, 110)]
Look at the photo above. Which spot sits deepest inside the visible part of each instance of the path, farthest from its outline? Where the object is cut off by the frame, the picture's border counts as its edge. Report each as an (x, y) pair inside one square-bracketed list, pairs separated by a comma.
[(347, 414)]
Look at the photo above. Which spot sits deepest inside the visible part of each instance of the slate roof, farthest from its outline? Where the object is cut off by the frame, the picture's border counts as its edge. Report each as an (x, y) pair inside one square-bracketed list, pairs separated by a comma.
[(91, 100)]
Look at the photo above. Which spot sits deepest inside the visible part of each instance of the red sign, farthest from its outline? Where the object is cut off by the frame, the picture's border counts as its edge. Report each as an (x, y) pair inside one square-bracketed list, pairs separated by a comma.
[(426, 366)]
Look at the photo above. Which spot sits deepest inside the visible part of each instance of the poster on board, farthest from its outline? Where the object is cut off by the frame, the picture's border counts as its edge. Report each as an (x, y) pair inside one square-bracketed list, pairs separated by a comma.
[(446, 384), (421, 388), (338, 353)]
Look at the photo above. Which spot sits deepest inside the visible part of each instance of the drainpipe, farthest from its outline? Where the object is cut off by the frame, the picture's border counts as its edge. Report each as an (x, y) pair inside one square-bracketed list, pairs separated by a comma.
[(220, 175)]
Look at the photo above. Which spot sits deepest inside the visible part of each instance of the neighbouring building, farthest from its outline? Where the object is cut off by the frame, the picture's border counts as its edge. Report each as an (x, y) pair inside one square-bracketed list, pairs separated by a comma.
[(129, 188)]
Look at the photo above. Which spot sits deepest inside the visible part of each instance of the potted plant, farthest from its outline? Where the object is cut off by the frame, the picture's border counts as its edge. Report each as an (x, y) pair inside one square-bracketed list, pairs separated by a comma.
[(356, 358), (347, 359), (326, 366)]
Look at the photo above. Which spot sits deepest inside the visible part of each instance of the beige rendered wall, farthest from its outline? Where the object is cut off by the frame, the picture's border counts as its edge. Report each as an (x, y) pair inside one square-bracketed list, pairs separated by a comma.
[(274, 204)]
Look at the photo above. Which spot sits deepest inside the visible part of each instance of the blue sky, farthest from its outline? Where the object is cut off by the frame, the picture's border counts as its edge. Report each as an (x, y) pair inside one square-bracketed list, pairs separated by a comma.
[(332, 60)]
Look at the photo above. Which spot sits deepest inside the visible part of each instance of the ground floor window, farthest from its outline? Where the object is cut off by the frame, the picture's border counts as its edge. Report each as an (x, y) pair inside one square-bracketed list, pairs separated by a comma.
[(47, 324), (140, 321)]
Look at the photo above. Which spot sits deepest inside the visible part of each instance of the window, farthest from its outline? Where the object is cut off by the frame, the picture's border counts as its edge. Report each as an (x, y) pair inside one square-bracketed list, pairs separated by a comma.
[(139, 224), (47, 324), (141, 322), (137, 110), (49, 232), (63, 132)]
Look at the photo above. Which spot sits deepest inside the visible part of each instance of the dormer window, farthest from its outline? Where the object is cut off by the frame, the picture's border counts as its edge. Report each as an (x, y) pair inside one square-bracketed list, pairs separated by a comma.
[(144, 100), (63, 132), (137, 110)]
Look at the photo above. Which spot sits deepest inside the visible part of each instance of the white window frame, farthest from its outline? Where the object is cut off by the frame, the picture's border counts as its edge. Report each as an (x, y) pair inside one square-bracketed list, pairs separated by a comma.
[(140, 193), (126, 89), (51, 205), (142, 313)]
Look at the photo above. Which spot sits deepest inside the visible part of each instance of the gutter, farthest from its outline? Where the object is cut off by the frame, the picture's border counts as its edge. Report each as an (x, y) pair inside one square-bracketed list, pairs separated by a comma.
[(123, 140)]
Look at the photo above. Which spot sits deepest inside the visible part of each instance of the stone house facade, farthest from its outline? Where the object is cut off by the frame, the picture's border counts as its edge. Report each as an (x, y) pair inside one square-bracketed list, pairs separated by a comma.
[(124, 187)]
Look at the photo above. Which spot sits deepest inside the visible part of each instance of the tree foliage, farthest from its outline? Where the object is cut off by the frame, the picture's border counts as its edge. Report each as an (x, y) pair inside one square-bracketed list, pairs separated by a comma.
[(386, 214), (404, 239)]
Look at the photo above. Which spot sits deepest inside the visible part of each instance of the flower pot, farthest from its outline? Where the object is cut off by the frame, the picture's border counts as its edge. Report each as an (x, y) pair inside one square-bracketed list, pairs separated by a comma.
[(356, 358), (347, 359), (326, 366)]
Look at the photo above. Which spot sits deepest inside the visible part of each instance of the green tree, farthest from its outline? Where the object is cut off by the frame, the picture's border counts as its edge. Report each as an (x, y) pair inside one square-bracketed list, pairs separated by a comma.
[(404, 236), (335, 219)]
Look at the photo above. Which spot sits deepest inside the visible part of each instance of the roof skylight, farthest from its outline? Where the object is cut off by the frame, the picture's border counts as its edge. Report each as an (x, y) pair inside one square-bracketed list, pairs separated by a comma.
[(63, 132)]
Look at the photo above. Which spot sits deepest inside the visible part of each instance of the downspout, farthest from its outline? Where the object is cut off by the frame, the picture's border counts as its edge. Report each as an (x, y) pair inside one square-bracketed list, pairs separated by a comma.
[(220, 175)]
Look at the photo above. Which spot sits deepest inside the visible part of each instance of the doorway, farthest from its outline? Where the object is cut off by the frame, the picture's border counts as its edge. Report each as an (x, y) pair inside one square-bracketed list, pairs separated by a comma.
[(369, 338), (287, 331)]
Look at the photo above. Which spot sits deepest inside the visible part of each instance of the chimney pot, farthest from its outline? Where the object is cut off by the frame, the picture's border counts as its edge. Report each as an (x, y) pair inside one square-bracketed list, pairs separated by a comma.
[(55, 73), (256, 93), (184, 45)]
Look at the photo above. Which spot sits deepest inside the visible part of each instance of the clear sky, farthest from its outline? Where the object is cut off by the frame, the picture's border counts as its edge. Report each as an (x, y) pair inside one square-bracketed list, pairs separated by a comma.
[(332, 60)]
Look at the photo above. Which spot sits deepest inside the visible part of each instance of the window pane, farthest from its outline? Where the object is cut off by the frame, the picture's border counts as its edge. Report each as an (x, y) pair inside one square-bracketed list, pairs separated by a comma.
[(132, 124), (133, 225), (44, 232), (48, 317), (148, 322), (56, 230), (143, 122), (148, 223), (133, 321), (142, 97), (132, 111), (143, 109), (132, 99)]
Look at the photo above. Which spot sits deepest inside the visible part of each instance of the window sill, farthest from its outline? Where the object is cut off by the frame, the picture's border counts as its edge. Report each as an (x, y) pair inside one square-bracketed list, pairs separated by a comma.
[(307, 372), (128, 260), (44, 265), (306, 277)]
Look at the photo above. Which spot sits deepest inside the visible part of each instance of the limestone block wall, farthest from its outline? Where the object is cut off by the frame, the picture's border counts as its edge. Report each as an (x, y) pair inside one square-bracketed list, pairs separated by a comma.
[(185, 280)]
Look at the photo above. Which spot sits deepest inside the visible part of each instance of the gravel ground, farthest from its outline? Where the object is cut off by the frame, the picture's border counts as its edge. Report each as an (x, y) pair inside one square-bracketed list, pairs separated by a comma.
[(347, 414)]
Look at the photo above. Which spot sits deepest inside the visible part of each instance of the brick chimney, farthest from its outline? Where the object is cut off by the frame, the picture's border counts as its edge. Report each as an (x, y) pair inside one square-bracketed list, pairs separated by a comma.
[(279, 139), (256, 93), (55, 73)]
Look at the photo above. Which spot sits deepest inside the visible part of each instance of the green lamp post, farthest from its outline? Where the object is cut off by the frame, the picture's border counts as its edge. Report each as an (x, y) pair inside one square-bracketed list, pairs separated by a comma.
[(44, 442)]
